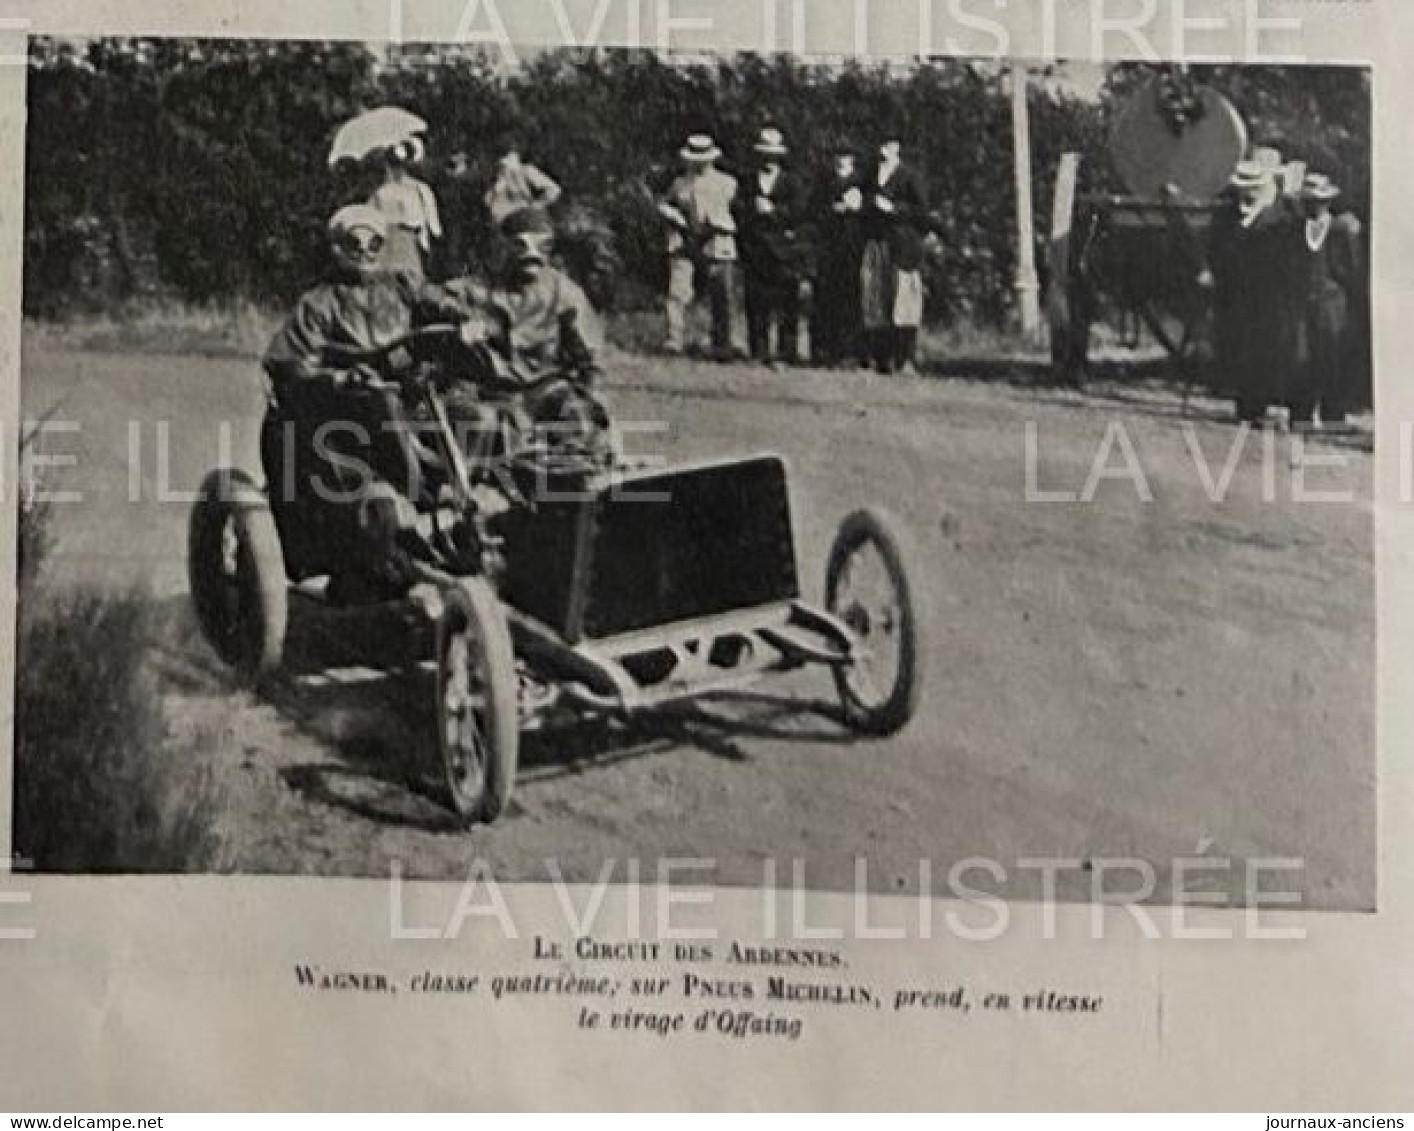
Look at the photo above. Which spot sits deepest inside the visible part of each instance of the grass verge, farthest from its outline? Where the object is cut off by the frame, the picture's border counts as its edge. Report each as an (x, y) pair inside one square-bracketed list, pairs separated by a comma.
[(98, 788)]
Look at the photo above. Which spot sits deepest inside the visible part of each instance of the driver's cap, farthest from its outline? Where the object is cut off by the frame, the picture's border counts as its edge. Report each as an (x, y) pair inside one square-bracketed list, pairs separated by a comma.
[(354, 216), (531, 220)]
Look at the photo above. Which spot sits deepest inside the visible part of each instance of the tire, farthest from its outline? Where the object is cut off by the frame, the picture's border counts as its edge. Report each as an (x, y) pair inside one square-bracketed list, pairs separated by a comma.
[(236, 571), (868, 708), (479, 747)]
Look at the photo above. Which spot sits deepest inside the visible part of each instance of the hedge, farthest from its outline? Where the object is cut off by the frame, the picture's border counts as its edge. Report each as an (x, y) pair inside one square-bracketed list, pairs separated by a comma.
[(195, 169)]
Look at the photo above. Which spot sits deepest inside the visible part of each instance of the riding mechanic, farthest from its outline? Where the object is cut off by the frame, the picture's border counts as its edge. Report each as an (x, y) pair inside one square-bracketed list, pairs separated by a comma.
[(544, 335)]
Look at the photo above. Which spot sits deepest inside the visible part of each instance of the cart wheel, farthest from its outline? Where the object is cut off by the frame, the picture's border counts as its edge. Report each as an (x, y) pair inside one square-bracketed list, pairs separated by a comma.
[(478, 724), (236, 571), (867, 587)]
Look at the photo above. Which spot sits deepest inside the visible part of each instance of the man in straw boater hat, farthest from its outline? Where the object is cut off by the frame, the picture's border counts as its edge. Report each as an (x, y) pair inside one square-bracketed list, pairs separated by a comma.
[(770, 213), (1252, 269), (1330, 274), (702, 244)]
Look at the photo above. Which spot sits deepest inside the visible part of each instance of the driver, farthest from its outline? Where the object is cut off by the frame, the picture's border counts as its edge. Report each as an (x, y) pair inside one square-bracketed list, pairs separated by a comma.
[(359, 308)]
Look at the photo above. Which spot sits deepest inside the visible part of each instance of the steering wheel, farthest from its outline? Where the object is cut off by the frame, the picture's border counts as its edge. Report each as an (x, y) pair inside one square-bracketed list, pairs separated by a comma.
[(496, 374), (377, 357)]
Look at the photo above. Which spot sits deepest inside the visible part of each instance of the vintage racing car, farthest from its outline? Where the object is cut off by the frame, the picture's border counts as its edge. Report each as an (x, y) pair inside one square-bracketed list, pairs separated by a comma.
[(602, 588)]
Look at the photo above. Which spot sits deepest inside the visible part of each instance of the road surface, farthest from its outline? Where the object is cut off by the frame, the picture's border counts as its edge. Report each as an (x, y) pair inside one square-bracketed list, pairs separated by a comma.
[(1143, 672)]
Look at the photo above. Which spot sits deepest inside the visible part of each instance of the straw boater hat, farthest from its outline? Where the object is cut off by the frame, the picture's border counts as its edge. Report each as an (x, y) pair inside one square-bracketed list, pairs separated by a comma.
[(700, 147), (1268, 157), (771, 143), (1318, 186)]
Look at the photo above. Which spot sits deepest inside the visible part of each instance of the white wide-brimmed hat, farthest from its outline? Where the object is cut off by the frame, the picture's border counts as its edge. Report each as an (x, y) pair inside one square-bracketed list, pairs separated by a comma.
[(700, 147), (1318, 186), (771, 143), (1251, 174), (412, 151)]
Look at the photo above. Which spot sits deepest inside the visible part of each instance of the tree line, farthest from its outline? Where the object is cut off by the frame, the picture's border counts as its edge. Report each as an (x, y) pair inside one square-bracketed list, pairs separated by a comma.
[(195, 170)]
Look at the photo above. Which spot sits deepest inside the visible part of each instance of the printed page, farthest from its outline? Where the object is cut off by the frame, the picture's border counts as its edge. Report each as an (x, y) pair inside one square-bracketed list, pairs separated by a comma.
[(670, 555)]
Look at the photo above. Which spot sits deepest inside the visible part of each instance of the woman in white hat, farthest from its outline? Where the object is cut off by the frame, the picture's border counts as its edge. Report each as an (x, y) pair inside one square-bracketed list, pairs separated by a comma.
[(1331, 265), (410, 207)]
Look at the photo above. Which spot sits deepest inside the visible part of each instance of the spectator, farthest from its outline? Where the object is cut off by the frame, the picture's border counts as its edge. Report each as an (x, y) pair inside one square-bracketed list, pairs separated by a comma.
[(519, 184), (410, 208), (836, 212), (702, 245), (891, 276), (468, 238), (1329, 251), (1253, 266), (770, 251)]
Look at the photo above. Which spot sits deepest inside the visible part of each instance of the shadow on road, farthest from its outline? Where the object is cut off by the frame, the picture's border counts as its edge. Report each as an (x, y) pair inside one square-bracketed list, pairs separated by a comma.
[(715, 726), (353, 690)]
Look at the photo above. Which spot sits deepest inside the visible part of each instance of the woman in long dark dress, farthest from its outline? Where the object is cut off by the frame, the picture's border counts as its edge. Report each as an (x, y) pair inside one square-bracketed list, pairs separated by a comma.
[(891, 275), (1329, 250), (837, 209)]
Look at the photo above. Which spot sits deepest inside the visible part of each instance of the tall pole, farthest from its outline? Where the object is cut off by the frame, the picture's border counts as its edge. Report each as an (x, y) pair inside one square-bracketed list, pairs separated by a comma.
[(1028, 285)]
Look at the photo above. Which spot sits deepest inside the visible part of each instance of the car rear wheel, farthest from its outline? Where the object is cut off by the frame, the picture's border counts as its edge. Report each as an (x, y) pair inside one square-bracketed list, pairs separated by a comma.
[(236, 571)]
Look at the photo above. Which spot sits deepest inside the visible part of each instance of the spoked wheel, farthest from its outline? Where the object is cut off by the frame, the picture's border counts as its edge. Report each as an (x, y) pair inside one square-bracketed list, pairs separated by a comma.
[(867, 587), (236, 570), (478, 724)]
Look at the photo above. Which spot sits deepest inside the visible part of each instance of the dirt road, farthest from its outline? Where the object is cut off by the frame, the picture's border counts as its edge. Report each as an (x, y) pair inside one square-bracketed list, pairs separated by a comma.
[(1120, 677)]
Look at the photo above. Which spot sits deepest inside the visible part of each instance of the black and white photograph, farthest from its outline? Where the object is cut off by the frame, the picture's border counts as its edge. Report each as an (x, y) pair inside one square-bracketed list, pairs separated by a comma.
[(839, 469)]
